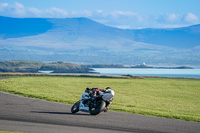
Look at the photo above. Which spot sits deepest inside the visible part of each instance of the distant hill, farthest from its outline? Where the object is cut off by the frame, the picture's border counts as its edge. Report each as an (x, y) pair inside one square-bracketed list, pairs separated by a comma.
[(186, 37), (36, 67), (85, 41), (21, 27)]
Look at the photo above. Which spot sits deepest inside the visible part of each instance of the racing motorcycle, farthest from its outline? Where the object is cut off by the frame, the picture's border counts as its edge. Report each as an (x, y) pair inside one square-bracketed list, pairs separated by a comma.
[(95, 105)]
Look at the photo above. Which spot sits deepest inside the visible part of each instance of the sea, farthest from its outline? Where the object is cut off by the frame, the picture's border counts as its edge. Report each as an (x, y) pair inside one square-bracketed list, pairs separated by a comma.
[(185, 73)]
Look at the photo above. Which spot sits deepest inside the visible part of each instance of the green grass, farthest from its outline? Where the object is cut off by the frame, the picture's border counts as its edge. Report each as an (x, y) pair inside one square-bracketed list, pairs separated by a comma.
[(170, 98)]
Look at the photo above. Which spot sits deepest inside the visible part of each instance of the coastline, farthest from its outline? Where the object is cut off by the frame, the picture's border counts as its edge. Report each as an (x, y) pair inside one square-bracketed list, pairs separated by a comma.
[(184, 73), (125, 76)]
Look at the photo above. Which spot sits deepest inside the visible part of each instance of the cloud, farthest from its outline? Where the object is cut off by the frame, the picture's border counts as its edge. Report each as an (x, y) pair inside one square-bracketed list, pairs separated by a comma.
[(84, 13), (121, 13), (123, 26), (168, 18), (117, 14), (191, 18), (18, 10), (34, 12), (3, 5), (116, 18), (172, 17), (54, 12), (175, 20)]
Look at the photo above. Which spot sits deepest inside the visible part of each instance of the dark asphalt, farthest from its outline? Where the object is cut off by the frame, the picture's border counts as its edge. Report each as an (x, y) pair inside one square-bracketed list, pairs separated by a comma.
[(31, 115)]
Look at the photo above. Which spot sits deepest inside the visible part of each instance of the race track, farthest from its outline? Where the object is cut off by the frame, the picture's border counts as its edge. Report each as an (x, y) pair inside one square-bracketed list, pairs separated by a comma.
[(37, 116)]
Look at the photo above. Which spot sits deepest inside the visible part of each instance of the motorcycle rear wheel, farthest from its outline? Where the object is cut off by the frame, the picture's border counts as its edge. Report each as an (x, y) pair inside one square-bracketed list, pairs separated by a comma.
[(75, 107), (99, 108)]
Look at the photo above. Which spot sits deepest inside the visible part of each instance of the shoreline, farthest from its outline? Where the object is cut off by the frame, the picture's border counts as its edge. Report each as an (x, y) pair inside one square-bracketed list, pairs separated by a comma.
[(4, 75)]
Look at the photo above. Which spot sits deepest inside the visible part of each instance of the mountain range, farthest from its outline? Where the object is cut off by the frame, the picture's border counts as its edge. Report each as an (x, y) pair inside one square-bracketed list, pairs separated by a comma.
[(82, 40)]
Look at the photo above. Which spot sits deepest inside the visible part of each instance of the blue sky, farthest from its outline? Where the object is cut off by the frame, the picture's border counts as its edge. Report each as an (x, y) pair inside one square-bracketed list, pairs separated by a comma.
[(127, 14)]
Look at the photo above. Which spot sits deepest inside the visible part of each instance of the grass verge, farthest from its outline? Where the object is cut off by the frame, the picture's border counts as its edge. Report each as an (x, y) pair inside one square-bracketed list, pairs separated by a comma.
[(170, 98)]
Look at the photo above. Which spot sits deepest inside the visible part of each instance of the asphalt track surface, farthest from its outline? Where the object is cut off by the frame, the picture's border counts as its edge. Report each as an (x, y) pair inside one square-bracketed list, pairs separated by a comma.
[(18, 113)]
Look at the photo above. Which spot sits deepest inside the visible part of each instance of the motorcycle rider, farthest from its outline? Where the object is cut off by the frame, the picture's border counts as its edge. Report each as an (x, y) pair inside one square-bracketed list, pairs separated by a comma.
[(85, 96), (89, 94), (107, 90)]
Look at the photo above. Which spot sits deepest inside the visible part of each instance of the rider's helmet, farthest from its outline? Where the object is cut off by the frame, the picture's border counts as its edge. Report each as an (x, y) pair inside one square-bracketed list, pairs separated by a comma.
[(87, 90), (108, 89)]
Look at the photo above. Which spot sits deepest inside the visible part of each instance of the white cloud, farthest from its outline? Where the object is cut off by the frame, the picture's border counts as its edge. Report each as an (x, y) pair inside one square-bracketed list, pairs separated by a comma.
[(99, 11), (19, 5), (18, 10), (172, 17), (121, 13), (168, 18), (3, 5), (54, 12), (117, 18), (123, 26), (34, 12), (84, 13), (116, 14), (191, 18)]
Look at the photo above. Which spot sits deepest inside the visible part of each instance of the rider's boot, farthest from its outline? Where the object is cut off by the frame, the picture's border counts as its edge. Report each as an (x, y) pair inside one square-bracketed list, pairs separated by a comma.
[(107, 107)]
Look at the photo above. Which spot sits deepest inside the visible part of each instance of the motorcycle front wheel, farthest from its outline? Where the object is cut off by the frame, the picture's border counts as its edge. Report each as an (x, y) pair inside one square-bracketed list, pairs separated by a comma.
[(75, 107), (98, 109)]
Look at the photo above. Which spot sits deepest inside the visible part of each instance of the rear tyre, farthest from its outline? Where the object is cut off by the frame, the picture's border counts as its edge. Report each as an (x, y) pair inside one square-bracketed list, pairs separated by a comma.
[(101, 107), (75, 107)]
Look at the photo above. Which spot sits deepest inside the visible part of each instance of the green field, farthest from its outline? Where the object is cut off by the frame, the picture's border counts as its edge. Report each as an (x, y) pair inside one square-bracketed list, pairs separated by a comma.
[(170, 98)]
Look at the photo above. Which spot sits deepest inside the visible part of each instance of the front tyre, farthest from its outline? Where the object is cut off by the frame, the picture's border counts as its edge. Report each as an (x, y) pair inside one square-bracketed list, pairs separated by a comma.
[(75, 107), (98, 109)]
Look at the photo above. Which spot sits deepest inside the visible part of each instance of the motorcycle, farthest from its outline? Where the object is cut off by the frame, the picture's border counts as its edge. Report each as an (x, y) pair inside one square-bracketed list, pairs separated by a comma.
[(95, 105)]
